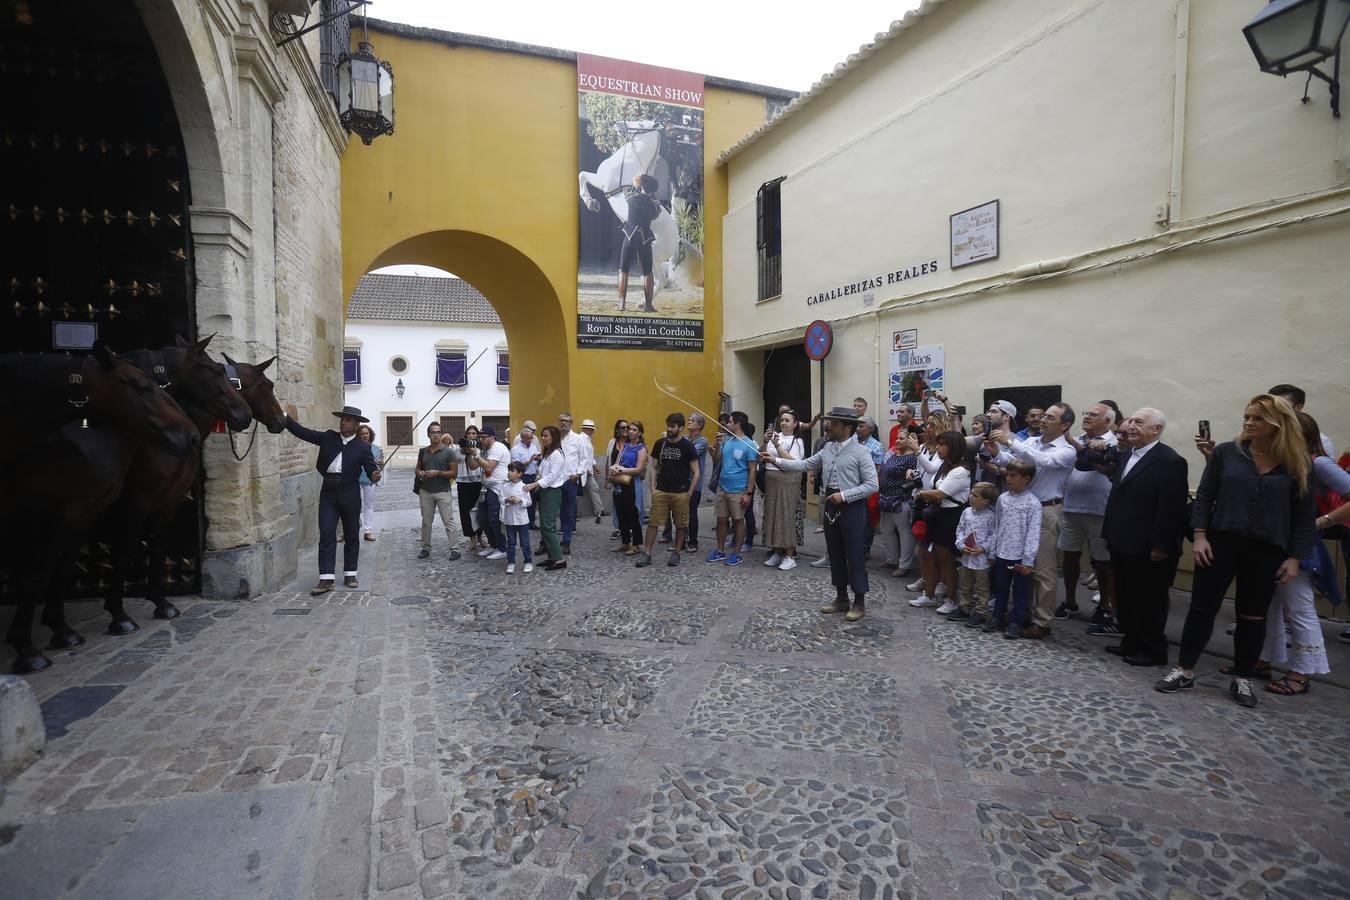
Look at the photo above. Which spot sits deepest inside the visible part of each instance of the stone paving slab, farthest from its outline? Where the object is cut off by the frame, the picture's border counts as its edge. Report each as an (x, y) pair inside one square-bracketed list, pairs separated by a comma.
[(701, 731)]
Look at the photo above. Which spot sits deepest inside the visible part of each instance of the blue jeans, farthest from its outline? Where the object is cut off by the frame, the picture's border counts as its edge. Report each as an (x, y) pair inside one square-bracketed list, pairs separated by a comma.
[(568, 513), (518, 534), (1005, 580), (490, 518)]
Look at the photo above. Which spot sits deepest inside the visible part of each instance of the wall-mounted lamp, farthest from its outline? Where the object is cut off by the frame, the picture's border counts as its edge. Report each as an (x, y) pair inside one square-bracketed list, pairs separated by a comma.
[(1295, 35), (399, 389)]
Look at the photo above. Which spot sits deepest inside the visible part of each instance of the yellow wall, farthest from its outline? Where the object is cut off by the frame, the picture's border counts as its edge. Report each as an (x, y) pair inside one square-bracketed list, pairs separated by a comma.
[(480, 179)]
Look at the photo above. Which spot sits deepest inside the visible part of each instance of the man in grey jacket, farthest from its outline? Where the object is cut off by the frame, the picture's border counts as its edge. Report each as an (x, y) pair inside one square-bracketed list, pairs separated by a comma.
[(849, 476)]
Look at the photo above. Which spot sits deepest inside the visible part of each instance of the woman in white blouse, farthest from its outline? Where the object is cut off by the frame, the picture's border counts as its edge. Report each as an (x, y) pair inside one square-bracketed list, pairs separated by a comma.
[(782, 494), (945, 500), (552, 474)]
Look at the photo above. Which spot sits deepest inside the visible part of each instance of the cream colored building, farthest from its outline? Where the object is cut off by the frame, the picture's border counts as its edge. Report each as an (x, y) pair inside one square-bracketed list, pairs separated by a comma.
[(1174, 225)]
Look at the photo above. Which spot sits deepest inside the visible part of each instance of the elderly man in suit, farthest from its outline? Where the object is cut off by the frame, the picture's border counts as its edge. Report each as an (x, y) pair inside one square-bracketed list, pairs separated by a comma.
[(1143, 526), (342, 458)]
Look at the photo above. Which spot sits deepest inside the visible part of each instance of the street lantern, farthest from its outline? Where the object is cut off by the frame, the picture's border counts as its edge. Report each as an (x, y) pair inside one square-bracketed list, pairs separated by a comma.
[(1296, 35), (399, 389), (365, 90)]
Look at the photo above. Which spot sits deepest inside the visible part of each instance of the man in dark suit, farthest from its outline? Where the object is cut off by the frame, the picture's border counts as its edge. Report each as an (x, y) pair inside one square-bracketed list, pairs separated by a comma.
[(342, 457), (1144, 523)]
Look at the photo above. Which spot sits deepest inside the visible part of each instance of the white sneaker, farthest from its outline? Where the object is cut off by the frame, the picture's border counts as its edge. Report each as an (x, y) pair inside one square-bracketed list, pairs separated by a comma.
[(822, 563), (923, 600), (495, 554), (510, 568), (941, 590), (485, 551), (915, 585), (949, 606), (789, 562), (529, 567), (773, 560)]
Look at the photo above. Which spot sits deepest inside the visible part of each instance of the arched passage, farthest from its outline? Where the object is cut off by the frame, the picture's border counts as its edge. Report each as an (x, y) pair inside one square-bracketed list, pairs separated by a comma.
[(522, 296)]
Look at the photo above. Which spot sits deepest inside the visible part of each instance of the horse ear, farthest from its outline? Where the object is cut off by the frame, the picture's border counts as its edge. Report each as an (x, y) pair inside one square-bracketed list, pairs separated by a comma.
[(105, 356), (200, 346), (180, 341), (262, 366), (228, 360)]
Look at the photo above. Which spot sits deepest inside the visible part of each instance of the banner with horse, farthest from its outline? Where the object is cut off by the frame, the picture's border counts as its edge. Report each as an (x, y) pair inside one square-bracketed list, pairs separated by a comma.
[(640, 240)]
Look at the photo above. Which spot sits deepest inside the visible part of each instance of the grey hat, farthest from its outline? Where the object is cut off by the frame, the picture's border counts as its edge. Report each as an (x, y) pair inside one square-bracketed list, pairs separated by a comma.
[(1008, 408), (842, 414), (351, 411)]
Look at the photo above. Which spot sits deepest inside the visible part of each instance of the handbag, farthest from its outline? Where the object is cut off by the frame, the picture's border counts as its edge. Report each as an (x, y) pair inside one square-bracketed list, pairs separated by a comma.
[(623, 478), (417, 482)]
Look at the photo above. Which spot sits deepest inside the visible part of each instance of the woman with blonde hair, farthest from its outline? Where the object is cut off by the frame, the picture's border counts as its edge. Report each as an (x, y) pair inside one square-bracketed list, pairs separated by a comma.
[(935, 424), (1254, 520), (782, 494)]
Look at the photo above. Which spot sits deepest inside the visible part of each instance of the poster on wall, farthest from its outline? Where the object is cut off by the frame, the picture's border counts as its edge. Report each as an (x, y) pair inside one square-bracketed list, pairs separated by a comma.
[(914, 371), (641, 206), (975, 234)]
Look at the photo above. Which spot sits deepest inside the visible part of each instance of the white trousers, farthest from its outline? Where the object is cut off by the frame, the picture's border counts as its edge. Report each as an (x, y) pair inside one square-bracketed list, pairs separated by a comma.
[(368, 508), (1294, 603), (894, 528)]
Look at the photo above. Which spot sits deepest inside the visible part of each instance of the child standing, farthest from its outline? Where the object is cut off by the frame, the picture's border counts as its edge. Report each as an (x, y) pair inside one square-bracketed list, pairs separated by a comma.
[(516, 517), (974, 539), (1016, 539)]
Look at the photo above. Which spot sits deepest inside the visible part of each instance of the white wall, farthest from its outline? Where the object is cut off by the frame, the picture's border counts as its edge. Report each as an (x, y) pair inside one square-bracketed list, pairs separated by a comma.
[(1115, 134), (416, 341)]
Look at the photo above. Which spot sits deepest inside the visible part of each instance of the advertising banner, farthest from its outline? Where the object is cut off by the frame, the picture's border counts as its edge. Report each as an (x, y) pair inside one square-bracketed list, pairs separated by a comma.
[(912, 372), (640, 235)]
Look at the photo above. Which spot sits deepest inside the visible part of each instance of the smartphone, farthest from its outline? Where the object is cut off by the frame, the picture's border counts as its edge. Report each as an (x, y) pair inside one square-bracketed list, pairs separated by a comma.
[(1204, 429), (927, 394)]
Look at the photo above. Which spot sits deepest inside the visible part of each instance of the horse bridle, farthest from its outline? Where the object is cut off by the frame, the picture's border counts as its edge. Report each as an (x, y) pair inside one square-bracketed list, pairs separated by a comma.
[(232, 375)]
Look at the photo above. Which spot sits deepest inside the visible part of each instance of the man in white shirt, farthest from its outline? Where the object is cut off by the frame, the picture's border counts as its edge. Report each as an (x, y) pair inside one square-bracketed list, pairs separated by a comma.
[(526, 451), (1054, 460), (492, 459), (1085, 494), (592, 478), (579, 457)]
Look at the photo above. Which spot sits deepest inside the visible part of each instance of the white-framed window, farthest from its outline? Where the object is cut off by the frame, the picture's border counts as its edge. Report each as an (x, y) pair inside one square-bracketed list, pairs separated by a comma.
[(452, 367), (351, 364)]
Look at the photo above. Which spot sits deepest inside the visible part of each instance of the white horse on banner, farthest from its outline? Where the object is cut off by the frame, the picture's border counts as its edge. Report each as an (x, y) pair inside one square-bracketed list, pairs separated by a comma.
[(676, 260)]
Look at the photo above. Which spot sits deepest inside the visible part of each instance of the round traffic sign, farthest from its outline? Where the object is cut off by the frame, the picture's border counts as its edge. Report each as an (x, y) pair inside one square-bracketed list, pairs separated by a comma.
[(819, 340)]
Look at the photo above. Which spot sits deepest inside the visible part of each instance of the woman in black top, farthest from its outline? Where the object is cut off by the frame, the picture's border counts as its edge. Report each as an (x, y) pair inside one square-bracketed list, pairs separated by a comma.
[(1254, 520)]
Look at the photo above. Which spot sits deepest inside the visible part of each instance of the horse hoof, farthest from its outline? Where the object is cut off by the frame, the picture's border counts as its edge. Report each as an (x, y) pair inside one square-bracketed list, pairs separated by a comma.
[(66, 641), (167, 611), (123, 626), (35, 663)]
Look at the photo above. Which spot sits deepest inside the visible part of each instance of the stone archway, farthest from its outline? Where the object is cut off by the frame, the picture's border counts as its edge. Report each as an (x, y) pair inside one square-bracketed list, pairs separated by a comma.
[(523, 298)]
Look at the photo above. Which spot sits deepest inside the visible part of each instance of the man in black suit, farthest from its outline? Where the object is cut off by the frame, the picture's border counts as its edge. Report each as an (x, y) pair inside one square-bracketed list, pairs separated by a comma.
[(1144, 523), (342, 457)]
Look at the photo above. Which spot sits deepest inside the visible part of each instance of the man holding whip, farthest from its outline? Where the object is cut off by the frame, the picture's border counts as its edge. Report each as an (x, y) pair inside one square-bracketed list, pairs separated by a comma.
[(849, 476)]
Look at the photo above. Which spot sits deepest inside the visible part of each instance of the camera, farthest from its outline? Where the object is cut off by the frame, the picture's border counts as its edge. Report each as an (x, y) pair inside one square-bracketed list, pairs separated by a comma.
[(468, 443), (1102, 457)]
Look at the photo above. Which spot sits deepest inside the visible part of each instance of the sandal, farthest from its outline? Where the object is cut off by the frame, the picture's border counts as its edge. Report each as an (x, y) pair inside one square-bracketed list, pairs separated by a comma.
[(1290, 687), (1261, 673), (622, 548)]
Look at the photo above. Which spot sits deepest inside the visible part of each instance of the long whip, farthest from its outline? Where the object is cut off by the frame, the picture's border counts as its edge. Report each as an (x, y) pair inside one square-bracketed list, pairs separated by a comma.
[(706, 417), (388, 457)]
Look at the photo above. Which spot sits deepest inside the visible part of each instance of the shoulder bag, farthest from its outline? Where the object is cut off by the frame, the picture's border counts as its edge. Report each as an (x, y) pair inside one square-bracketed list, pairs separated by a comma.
[(417, 482)]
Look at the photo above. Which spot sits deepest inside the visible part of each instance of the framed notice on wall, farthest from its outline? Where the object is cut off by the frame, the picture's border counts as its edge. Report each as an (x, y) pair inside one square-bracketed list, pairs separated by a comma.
[(975, 234)]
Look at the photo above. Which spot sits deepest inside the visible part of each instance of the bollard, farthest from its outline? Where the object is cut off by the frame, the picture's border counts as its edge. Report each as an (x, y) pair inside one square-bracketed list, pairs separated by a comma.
[(22, 734)]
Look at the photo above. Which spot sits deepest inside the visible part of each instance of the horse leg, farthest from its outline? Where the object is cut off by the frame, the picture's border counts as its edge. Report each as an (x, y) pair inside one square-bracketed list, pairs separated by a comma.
[(583, 179), (54, 612), (154, 582), (27, 657), (124, 545)]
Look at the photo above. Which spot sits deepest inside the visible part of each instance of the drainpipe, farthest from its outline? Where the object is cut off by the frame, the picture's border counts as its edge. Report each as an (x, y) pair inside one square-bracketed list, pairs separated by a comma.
[(1182, 55)]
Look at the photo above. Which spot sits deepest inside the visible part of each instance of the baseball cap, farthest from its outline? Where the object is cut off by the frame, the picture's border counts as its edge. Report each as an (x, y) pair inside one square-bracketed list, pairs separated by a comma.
[(487, 429), (1008, 409)]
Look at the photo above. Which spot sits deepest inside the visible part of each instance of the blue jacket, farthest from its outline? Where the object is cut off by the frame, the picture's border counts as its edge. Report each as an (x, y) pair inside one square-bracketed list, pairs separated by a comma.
[(356, 454)]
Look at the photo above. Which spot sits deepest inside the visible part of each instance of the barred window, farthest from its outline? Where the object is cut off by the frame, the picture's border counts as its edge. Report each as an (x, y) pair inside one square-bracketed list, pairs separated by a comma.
[(398, 430), (769, 238)]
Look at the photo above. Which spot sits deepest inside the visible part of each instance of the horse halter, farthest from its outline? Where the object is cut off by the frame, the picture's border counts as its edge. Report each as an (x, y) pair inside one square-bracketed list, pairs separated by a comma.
[(232, 374), (158, 370)]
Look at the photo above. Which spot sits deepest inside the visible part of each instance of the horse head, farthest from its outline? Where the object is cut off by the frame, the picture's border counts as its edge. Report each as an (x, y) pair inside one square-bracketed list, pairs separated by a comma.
[(128, 400), (260, 393), (202, 388)]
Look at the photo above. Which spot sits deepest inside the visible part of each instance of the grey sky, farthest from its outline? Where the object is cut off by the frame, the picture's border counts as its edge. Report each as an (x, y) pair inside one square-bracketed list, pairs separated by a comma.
[(779, 44)]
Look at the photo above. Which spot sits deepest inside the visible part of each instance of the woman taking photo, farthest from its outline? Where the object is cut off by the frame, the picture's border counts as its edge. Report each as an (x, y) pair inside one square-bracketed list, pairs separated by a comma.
[(612, 451), (469, 487), (944, 501), (782, 495), (1254, 520), (625, 474), (548, 484), (898, 478), (367, 434), (935, 424)]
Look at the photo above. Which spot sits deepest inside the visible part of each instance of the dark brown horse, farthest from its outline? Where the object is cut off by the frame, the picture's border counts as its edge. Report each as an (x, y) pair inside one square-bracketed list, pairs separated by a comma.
[(259, 392), (71, 475), (157, 481)]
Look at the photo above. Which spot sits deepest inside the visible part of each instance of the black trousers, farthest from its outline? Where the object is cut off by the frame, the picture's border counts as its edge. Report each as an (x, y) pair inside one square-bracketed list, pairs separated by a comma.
[(844, 535), (468, 498), (630, 523), (339, 502), (1254, 565), (1142, 603)]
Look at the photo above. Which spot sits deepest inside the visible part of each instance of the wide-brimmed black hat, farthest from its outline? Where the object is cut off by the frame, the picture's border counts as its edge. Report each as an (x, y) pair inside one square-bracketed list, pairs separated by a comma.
[(843, 414), (351, 411)]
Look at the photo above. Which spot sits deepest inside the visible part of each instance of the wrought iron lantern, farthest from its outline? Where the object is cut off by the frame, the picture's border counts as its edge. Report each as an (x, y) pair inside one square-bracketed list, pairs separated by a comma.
[(399, 389), (1296, 35), (365, 91)]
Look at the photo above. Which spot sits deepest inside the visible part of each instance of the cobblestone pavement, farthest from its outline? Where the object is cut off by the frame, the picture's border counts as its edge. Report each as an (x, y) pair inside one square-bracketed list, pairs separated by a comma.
[(695, 731)]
